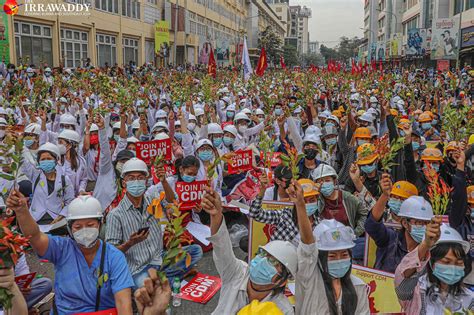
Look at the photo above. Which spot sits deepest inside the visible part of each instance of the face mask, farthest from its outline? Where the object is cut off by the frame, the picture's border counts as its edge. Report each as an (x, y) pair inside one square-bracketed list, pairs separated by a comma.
[(361, 142), (415, 145), (28, 142), (330, 124), (136, 188), (278, 111), (188, 178), (261, 119), (417, 233), (230, 114), (367, 169), (338, 268), (206, 155), (30, 74), (425, 126), (291, 104), (62, 107), (47, 74), (331, 141), (327, 188), (119, 167), (261, 271), (242, 129), (394, 205), (448, 274), (86, 237), (62, 149), (434, 122), (435, 167), (94, 139), (228, 141), (47, 166), (191, 126), (217, 142), (2, 133), (310, 154), (311, 208), (178, 136), (116, 138), (402, 133)]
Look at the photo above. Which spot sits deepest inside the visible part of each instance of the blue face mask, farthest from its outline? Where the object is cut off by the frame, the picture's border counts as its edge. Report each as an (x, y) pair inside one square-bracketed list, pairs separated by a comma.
[(367, 169), (449, 274), (116, 138), (47, 166), (417, 233), (472, 212), (394, 205), (229, 114), (435, 167), (61, 130), (425, 126), (261, 271), (434, 121), (361, 142), (228, 141), (28, 142), (206, 155), (311, 208), (331, 141), (178, 136), (329, 124), (415, 145), (217, 142), (338, 268), (136, 188), (188, 178), (327, 188), (278, 111), (402, 133)]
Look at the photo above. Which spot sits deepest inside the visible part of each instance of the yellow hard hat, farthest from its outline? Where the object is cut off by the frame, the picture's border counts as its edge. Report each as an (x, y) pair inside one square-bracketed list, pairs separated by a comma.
[(260, 308), (471, 139), (366, 154), (452, 145), (362, 133), (393, 112), (431, 154), (424, 117), (403, 122), (360, 112), (309, 187), (470, 194), (430, 113), (337, 113), (404, 189)]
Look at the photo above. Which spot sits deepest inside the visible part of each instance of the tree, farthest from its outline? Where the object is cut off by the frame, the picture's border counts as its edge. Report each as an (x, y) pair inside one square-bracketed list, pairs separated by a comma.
[(328, 53), (312, 59), (291, 55), (346, 49), (272, 44)]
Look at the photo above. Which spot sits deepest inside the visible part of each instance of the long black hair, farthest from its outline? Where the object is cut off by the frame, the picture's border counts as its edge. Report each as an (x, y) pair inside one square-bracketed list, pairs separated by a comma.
[(440, 251), (186, 162), (349, 295)]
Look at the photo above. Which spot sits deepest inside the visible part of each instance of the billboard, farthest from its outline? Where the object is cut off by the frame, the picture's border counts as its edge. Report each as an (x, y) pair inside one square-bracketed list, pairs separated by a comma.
[(444, 41), (162, 37), (467, 39), (425, 34), (414, 43), (395, 45), (381, 51)]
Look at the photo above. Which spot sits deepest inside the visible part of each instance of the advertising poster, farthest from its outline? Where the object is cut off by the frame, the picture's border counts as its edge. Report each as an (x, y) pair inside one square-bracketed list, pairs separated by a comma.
[(444, 40), (380, 51), (414, 43), (467, 39), (395, 45), (162, 34)]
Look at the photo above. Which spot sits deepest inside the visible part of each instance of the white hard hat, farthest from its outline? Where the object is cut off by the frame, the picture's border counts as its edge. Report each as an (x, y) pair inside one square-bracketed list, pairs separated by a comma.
[(226, 99), (416, 207), (311, 138), (67, 119), (246, 111), (132, 140), (230, 108), (203, 142), (48, 69), (159, 125), (136, 124), (328, 131), (325, 114), (29, 70), (94, 127), (313, 130), (62, 99), (70, 135), (116, 125), (366, 117), (199, 112), (450, 235), (323, 170), (258, 111), (160, 114), (332, 235), (354, 97), (243, 101), (373, 99), (33, 128), (214, 128), (51, 148), (231, 129), (401, 103), (191, 117), (84, 207), (134, 165), (3, 111), (161, 136), (285, 253), (3, 122), (396, 99), (241, 116), (334, 118)]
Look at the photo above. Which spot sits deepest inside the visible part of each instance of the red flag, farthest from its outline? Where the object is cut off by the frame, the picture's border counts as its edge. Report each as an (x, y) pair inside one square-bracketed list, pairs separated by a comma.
[(339, 65), (282, 62), (353, 70), (374, 65), (314, 69), (212, 66), (380, 66), (262, 63)]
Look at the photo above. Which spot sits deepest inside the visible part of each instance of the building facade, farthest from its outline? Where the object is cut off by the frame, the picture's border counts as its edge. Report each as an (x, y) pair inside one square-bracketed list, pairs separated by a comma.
[(299, 27)]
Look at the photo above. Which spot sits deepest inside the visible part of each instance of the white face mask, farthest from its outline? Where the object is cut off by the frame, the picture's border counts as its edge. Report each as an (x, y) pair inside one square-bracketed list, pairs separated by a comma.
[(62, 149), (2, 133), (86, 237), (119, 167), (191, 126), (242, 129)]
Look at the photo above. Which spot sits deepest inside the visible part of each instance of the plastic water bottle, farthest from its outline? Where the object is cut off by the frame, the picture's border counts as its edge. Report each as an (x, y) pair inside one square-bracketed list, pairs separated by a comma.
[(176, 291)]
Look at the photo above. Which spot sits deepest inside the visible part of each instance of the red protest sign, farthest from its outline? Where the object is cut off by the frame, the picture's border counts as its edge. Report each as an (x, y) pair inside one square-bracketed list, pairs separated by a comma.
[(443, 65), (190, 194), (274, 159), (24, 281), (226, 124), (111, 311), (148, 150), (241, 161), (170, 170), (201, 288)]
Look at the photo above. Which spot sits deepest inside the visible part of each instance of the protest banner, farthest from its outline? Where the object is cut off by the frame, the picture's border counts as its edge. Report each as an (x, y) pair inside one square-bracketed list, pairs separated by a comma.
[(148, 150), (170, 170), (371, 247), (24, 281), (442, 65), (381, 288), (241, 161), (190, 194), (260, 233), (274, 159), (201, 288)]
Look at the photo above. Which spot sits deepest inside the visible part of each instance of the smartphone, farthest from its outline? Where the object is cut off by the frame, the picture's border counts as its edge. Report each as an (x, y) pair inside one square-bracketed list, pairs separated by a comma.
[(145, 229)]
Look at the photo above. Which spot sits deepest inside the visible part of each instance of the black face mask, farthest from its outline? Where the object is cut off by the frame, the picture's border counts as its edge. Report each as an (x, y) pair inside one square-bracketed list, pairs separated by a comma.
[(310, 154), (286, 182)]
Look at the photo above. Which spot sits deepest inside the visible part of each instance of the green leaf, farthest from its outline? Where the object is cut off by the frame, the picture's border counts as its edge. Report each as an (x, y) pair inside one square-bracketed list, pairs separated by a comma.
[(7, 176)]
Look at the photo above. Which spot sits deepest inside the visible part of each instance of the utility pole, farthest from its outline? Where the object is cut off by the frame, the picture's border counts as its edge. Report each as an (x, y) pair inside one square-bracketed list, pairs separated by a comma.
[(175, 31), (459, 35)]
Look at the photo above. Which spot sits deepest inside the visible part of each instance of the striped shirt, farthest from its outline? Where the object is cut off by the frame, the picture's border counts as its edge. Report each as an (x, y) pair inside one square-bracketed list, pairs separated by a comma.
[(126, 220)]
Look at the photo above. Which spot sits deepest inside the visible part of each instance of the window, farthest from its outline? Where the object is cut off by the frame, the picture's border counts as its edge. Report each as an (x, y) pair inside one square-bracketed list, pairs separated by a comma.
[(411, 24), (130, 50), (131, 8), (33, 41), (107, 5), (74, 47), (149, 51), (106, 49), (411, 3), (469, 4), (79, 1), (153, 1)]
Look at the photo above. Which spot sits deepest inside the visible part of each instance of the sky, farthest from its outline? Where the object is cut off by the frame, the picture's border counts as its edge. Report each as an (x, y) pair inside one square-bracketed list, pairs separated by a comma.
[(332, 19)]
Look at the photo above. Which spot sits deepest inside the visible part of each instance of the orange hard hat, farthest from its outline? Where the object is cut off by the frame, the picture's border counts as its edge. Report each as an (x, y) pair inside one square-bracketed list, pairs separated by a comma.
[(470, 194), (431, 154), (366, 154), (404, 189), (362, 133)]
